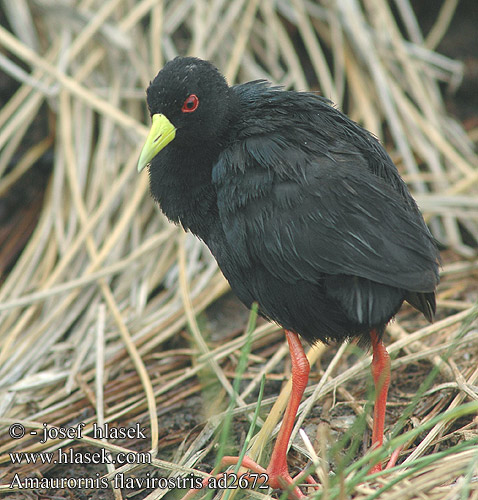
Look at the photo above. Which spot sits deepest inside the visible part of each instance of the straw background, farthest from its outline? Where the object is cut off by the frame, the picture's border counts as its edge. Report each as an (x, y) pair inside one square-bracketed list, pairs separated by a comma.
[(108, 313)]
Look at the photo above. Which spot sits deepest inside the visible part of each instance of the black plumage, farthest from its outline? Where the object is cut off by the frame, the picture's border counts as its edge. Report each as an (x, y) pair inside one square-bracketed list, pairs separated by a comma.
[(303, 209)]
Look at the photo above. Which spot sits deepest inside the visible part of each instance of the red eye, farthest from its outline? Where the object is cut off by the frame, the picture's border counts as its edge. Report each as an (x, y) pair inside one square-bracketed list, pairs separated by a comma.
[(190, 104)]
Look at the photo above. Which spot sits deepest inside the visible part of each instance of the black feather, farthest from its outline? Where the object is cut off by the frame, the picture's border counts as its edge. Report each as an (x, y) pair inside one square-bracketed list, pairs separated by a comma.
[(303, 209)]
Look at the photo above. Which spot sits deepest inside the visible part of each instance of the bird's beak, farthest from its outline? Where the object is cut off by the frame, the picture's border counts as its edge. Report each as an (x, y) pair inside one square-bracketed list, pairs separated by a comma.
[(161, 134)]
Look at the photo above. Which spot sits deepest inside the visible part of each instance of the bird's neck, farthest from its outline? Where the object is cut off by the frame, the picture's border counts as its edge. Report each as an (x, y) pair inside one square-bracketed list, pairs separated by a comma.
[(182, 180), (184, 190)]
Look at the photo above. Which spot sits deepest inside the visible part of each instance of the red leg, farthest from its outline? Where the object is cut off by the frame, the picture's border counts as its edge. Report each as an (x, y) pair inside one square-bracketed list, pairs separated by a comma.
[(381, 377), (277, 471), (300, 376)]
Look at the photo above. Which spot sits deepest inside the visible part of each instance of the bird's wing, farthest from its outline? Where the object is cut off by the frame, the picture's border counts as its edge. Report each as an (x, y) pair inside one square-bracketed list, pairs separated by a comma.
[(302, 218)]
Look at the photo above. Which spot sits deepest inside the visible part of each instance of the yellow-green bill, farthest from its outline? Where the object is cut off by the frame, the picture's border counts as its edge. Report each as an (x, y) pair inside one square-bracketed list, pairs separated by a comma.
[(161, 134)]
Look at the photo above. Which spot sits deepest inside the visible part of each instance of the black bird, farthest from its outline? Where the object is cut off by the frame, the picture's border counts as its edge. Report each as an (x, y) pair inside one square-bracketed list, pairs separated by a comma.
[(303, 209)]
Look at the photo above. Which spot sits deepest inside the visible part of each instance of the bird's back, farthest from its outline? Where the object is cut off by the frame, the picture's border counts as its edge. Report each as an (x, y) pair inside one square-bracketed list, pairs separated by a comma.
[(316, 223)]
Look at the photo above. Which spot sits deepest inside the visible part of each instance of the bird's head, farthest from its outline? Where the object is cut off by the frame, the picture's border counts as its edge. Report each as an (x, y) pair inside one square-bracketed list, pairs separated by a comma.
[(189, 103)]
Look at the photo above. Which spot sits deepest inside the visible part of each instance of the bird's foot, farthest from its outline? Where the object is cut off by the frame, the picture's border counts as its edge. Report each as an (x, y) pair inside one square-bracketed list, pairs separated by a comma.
[(391, 463), (275, 479)]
